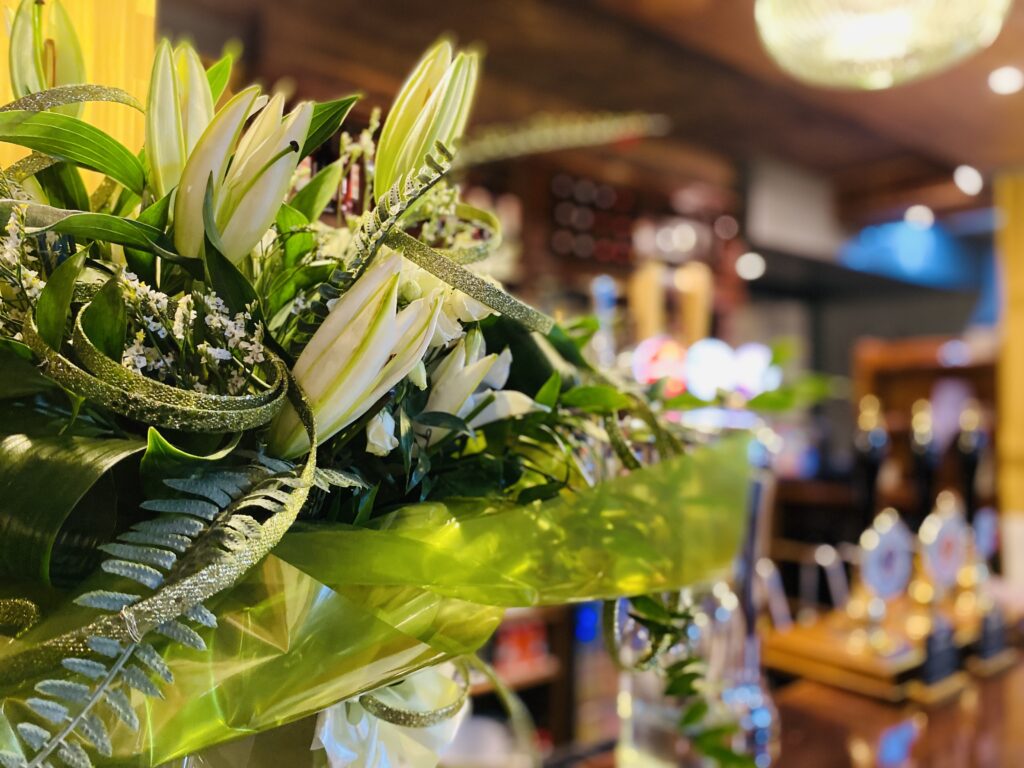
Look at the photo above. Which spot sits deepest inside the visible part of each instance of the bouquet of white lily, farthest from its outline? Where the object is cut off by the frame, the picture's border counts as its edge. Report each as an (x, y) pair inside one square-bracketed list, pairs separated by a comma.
[(284, 449)]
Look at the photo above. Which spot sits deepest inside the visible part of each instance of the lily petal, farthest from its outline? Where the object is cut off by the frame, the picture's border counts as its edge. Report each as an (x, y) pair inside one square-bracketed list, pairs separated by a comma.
[(210, 156), (165, 141), (506, 404)]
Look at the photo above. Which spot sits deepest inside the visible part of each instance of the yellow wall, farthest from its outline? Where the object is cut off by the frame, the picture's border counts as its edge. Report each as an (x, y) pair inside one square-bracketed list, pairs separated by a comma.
[(117, 38), (1009, 198)]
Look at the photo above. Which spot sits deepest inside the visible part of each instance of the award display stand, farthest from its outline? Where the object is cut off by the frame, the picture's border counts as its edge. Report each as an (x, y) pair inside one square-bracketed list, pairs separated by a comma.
[(991, 655), (863, 648), (943, 551)]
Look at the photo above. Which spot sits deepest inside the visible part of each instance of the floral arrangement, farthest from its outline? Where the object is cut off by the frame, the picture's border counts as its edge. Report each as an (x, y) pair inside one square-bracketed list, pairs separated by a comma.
[(256, 466)]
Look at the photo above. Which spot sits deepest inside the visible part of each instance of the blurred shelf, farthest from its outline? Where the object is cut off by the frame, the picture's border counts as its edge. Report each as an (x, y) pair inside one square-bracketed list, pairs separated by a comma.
[(543, 670)]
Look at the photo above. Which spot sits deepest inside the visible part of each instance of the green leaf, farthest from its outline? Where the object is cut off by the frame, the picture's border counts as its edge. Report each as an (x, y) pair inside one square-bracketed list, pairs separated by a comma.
[(32, 522), (683, 685), (547, 395), (73, 140), (327, 119), (582, 329), (223, 276), (365, 508), (142, 261), (19, 375), (596, 399), (694, 714), (566, 347), (442, 420), (541, 492), (313, 198), (105, 320), (108, 229), (650, 608), (784, 350), (287, 284), (685, 401), (163, 459), (219, 74), (293, 225), (64, 187), (55, 300)]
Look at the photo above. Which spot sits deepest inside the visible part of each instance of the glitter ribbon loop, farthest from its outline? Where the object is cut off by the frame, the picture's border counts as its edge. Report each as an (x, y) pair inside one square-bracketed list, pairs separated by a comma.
[(410, 718), (19, 614), (462, 279), (63, 95), (139, 398), (482, 223)]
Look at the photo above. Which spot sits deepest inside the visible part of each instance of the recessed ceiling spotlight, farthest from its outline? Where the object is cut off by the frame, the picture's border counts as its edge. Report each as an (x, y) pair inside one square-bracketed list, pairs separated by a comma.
[(919, 216), (1006, 80), (968, 179), (750, 266)]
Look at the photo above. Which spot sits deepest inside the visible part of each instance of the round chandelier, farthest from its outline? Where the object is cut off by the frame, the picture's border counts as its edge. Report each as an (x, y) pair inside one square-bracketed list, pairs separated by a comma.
[(873, 44)]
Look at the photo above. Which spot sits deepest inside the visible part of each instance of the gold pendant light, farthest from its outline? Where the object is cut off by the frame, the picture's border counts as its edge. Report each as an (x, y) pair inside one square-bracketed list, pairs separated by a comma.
[(873, 44)]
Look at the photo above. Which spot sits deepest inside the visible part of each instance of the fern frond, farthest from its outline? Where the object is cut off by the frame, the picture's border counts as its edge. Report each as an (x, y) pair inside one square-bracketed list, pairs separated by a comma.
[(368, 237), (208, 533)]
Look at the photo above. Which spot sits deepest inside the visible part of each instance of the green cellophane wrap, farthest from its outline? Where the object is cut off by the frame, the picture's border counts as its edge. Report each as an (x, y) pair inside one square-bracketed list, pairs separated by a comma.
[(337, 610)]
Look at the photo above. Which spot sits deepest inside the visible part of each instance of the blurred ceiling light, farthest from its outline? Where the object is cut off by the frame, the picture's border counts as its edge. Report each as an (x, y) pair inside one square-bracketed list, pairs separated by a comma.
[(1006, 80), (684, 237), (750, 266), (878, 44), (919, 216), (726, 227), (968, 179)]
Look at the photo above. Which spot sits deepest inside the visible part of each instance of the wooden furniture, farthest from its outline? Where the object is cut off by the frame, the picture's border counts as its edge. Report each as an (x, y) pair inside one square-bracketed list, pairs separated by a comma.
[(829, 728), (825, 727)]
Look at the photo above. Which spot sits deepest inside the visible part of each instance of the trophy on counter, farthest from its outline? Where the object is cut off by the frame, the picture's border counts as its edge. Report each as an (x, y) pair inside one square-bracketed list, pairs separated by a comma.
[(872, 447), (991, 652), (926, 460), (943, 540), (886, 564)]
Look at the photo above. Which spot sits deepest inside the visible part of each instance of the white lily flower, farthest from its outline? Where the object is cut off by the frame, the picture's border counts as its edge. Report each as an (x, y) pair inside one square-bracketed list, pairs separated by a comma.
[(362, 349), (179, 109), (251, 173), (458, 308), (353, 738), (418, 375), (468, 377), (380, 434), (433, 105), (33, 68)]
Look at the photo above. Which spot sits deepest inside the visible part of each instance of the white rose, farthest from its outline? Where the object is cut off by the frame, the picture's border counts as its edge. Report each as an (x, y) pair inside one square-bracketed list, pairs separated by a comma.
[(380, 434)]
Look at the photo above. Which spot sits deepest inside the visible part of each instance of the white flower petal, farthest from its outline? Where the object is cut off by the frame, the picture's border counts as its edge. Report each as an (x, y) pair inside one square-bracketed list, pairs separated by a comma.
[(380, 434), (506, 404)]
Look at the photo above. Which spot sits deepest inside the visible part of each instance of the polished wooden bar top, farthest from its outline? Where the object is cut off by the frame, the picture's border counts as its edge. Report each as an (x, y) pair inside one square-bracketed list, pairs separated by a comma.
[(983, 727)]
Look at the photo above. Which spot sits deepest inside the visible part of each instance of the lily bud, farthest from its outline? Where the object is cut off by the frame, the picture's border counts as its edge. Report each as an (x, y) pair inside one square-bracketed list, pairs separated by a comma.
[(248, 190), (468, 377), (433, 105), (179, 109), (34, 70), (362, 349)]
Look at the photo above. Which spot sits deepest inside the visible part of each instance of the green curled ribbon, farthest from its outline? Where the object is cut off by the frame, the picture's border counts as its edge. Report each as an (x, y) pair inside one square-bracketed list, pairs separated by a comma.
[(462, 279), (482, 221), (107, 369), (19, 613), (410, 718), (153, 403)]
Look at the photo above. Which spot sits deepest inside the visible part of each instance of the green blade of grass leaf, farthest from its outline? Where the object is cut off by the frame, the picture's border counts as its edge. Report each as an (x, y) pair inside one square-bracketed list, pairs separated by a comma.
[(55, 300), (75, 141)]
